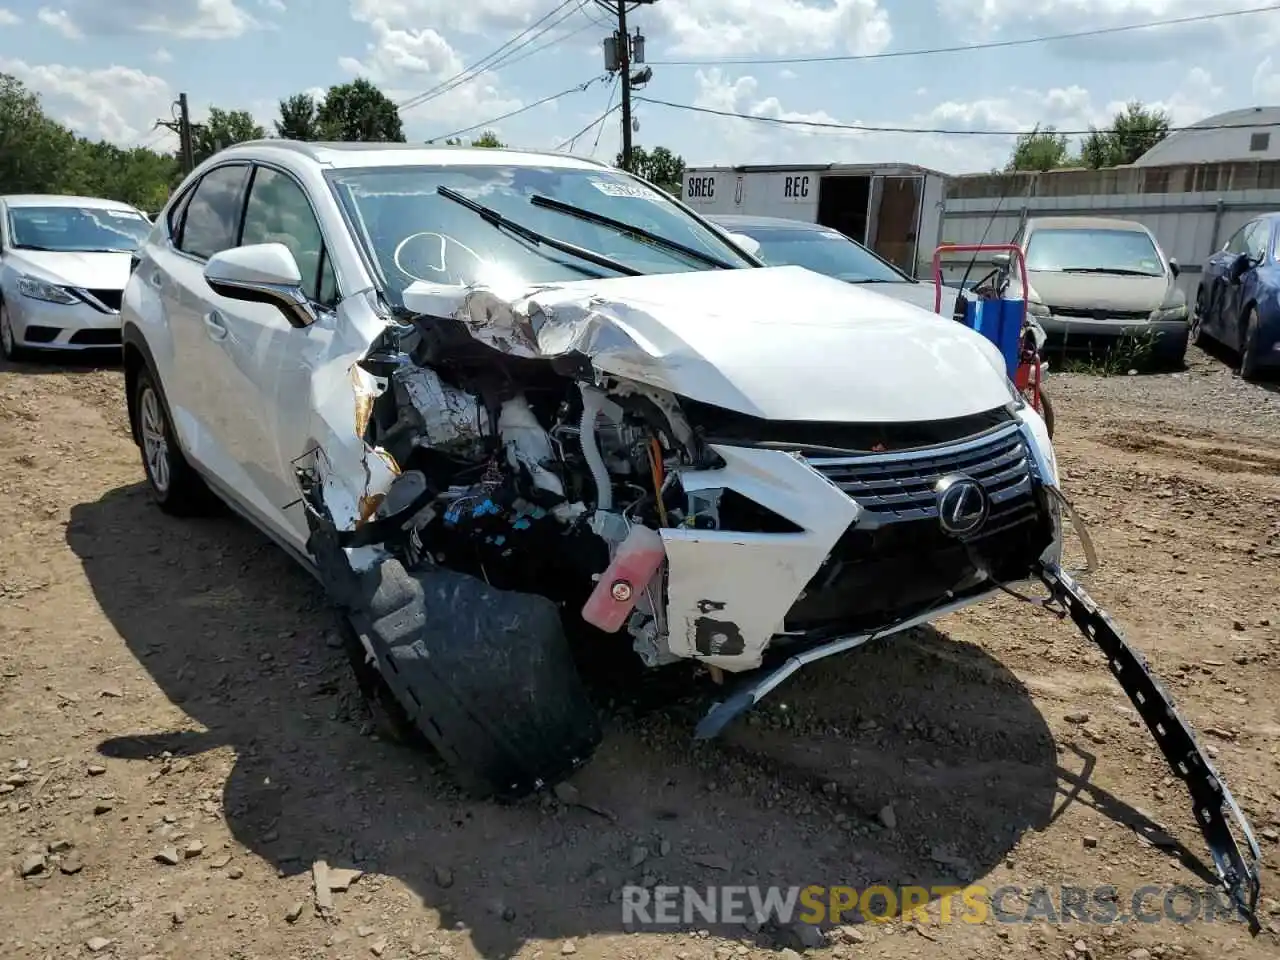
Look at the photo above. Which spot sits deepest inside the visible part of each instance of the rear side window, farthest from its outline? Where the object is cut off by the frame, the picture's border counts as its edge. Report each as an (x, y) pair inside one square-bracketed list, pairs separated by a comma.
[(212, 221)]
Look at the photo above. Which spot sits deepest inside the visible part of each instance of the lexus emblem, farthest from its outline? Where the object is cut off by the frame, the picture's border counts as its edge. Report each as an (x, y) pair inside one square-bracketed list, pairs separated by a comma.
[(963, 504)]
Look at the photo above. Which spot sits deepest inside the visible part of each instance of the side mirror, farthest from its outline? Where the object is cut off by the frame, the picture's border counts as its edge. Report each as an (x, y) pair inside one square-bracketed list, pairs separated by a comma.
[(1174, 268), (1239, 267), (262, 273), (749, 244), (1001, 260)]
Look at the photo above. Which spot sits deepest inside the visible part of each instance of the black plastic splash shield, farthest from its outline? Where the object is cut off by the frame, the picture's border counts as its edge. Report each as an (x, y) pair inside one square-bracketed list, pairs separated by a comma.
[(1215, 809)]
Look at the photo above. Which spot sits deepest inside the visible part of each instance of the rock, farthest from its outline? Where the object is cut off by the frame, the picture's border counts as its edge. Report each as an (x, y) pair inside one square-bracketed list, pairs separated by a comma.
[(1090, 842), (809, 935), (179, 915), (1139, 954), (193, 849), (168, 856), (294, 912), (1269, 835), (95, 770), (1078, 717), (6, 788), (341, 878), (788, 954), (220, 861), (378, 947), (364, 932), (568, 947), (102, 807), (639, 855), (60, 846), (664, 848), (97, 944), (33, 865), (851, 934), (235, 873), (888, 817), (17, 780), (444, 877), (1237, 625), (112, 693)]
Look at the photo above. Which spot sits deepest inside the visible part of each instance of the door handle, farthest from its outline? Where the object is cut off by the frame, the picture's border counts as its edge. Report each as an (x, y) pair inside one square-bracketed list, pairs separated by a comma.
[(214, 326)]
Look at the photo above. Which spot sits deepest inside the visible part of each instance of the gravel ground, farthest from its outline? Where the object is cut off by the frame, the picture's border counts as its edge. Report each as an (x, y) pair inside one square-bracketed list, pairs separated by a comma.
[(181, 743)]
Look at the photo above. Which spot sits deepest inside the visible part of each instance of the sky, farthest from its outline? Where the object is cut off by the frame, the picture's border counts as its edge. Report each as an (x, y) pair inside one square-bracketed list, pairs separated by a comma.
[(111, 68)]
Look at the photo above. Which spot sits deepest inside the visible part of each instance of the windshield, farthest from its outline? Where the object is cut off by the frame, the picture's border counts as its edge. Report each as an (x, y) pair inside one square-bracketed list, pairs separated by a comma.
[(412, 232), (822, 251), (1094, 251), (76, 229)]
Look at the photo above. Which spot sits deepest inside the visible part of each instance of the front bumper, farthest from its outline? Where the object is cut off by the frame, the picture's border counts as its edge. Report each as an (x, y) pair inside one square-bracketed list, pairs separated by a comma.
[(866, 550), (1071, 333), (41, 325)]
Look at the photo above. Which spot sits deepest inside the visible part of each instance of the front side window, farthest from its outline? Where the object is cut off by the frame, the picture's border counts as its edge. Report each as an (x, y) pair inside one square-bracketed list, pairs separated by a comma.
[(1238, 243), (213, 215), (68, 229), (1258, 234), (1094, 250), (278, 211), (412, 232), (823, 251)]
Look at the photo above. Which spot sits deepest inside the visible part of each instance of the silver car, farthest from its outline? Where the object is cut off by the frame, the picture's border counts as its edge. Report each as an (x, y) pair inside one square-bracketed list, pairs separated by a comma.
[(64, 263)]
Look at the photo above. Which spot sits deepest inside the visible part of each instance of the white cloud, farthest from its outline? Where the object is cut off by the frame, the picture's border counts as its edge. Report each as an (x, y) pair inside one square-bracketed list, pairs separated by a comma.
[(785, 74), (275, 6), (61, 21), (1071, 108), (471, 16), (407, 62), (8, 18), (185, 19), (1266, 82), (739, 27), (115, 103), (162, 56)]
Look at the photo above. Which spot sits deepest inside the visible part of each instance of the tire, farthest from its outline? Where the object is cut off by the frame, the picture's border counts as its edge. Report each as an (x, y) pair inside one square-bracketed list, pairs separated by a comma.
[(1195, 332), (174, 484), (1249, 346), (8, 342), (486, 676), (1047, 412), (1171, 352)]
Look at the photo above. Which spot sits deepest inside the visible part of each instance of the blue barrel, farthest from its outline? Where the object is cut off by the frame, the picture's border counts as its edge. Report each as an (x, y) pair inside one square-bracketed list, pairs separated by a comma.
[(1000, 321)]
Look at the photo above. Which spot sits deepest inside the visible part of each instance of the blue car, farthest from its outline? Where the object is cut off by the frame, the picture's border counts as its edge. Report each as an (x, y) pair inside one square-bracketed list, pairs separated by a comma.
[(1238, 302)]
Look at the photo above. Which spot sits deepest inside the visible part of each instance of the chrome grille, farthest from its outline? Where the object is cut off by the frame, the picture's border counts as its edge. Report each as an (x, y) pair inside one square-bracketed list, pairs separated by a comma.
[(899, 486)]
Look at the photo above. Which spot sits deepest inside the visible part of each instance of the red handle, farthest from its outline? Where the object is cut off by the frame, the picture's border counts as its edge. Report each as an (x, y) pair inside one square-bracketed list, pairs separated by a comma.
[(1012, 249)]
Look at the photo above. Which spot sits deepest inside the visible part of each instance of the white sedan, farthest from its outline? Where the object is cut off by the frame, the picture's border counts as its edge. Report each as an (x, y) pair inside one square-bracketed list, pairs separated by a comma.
[(64, 263)]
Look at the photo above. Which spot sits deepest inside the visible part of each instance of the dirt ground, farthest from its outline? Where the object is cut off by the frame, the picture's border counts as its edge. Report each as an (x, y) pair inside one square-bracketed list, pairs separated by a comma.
[(173, 690)]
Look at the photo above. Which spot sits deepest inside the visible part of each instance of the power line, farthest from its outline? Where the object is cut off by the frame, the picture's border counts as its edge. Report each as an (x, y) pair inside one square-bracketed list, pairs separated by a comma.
[(608, 108), (600, 119), (868, 128), (989, 45), (537, 103), (491, 60)]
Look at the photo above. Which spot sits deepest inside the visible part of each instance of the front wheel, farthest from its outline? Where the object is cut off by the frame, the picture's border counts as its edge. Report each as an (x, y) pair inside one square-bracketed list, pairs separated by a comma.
[(8, 339), (175, 486), (1249, 346), (1196, 334)]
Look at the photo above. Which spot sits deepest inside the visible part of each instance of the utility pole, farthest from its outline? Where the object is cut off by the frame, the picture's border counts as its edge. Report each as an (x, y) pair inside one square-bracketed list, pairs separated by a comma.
[(621, 51), (183, 128)]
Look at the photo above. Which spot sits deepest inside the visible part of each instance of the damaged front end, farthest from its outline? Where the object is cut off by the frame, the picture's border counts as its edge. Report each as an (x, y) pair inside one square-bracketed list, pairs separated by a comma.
[(568, 459)]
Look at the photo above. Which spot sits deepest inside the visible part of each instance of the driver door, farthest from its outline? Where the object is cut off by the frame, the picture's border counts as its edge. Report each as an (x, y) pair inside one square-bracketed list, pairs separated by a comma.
[(1240, 289), (1217, 285)]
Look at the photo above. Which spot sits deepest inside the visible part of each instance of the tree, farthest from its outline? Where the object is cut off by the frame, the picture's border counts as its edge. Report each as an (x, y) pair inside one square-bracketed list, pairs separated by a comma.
[(298, 119), (1039, 150), (359, 111), (1133, 131), (222, 129), (488, 139), (659, 166), (35, 151)]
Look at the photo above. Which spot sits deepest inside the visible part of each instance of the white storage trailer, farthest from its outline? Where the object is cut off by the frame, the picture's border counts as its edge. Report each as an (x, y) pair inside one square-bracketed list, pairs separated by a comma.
[(895, 209)]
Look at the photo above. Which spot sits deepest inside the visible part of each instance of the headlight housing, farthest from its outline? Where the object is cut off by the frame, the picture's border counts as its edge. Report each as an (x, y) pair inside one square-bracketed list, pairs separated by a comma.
[(1170, 311), (1037, 309), (43, 290)]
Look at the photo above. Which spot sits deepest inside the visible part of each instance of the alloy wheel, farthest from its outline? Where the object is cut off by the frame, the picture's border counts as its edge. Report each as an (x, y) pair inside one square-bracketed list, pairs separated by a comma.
[(155, 442)]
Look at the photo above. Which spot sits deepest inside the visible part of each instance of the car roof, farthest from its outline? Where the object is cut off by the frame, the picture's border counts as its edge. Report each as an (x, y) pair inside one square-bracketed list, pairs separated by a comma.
[(342, 155), (1086, 223), (777, 223), (63, 200)]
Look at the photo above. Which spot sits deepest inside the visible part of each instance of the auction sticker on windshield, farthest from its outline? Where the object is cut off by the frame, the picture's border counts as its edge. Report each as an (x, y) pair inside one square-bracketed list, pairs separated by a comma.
[(614, 189)]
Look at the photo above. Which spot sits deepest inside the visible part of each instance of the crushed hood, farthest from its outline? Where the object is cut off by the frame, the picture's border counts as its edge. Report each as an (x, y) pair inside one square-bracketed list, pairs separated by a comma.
[(779, 343), (1098, 291), (90, 271)]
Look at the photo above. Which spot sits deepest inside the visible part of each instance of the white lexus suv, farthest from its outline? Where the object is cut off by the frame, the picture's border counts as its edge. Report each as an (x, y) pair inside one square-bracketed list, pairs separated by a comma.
[(506, 404)]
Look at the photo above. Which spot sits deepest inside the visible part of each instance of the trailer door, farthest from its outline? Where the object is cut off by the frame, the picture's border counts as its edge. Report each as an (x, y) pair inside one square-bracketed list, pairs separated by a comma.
[(895, 219)]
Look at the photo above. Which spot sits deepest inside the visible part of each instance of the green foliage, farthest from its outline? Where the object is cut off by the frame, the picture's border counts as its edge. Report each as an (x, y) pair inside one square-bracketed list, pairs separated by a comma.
[(488, 139), (1133, 131), (659, 166), (40, 155), (222, 129), (298, 118), (358, 111), (1039, 150)]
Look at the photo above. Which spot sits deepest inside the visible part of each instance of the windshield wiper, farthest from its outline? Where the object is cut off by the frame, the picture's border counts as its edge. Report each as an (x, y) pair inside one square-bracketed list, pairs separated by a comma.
[(626, 229), (1118, 271), (36, 247), (491, 216)]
